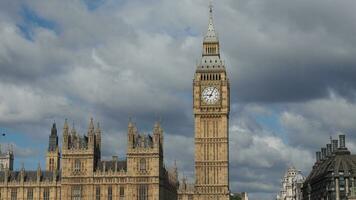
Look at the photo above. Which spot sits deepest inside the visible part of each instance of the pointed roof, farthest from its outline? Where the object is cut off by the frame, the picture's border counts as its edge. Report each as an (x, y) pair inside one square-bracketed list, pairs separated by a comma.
[(211, 35), (97, 130), (65, 127), (73, 131), (54, 129), (91, 124)]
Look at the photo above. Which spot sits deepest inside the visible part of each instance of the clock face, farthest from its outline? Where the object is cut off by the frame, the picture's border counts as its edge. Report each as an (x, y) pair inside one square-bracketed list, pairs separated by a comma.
[(210, 95)]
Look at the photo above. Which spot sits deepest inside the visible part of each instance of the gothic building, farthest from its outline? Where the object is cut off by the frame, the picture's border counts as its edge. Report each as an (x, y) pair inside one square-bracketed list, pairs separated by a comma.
[(211, 107), (291, 185), (7, 159), (333, 175), (77, 172), (186, 190)]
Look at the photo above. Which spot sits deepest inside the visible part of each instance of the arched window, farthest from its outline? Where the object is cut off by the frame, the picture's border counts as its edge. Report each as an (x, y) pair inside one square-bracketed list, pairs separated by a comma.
[(109, 193), (30, 194), (13, 193), (46, 194), (76, 193), (97, 193), (142, 164), (142, 192), (51, 164), (122, 192), (77, 165)]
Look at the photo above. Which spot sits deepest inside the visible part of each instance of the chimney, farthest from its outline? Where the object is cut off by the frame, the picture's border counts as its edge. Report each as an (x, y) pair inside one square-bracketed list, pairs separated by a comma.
[(342, 141), (318, 156), (328, 150), (323, 153), (335, 145)]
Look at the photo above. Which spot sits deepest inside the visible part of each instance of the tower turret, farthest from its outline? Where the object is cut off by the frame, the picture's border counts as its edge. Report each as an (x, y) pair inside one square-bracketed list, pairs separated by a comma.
[(7, 158), (98, 136), (66, 137), (157, 134), (211, 105), (53, 155), (131, 134), (53, 139), (97, 144), (91, 134)]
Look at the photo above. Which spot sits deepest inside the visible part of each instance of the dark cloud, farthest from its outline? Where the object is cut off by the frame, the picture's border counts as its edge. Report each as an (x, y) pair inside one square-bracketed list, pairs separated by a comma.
[(291, 66), (308, 45)]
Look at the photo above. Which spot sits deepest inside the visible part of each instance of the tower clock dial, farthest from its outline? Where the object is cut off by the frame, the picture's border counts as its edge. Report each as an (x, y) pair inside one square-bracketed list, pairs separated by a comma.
[(210, 95)]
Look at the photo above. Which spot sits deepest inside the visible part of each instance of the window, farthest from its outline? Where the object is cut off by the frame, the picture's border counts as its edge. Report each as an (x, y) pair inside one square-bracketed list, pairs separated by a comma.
[(13, 193), (76, 193), (142, 192), (97, 193), (46, 194), (142, 164), (122, 193), (109, 193), (29, 193), (51, 163), (77, 165)]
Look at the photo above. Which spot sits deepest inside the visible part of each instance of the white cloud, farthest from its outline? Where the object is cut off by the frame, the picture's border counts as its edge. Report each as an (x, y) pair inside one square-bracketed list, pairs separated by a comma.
[(138, 58)]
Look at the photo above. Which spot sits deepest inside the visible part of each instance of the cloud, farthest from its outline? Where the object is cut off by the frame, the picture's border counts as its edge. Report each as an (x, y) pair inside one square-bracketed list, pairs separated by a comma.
[(291, 67)]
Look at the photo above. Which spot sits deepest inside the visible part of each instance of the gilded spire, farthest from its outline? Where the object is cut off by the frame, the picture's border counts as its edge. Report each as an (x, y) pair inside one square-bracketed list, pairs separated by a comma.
[(211, 35)]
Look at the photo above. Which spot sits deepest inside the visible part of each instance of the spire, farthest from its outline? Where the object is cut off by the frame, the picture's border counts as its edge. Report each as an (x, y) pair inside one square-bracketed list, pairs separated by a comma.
[(54, 129), (91, 125), (53, 138), (65, 124), (98, 130), (130, 123), (73, 131), (211, 36), (65, 127), (39, 172)]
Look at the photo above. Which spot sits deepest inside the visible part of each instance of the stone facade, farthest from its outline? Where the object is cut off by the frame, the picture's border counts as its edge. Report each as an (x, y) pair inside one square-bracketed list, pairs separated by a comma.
[(6, 159), (333, 175), (76, 171), (186, 190), (291, 185), (211, 105), (83, 175)]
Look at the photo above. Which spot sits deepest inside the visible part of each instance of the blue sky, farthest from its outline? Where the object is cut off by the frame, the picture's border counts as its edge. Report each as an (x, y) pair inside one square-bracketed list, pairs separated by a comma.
[(112, 59)]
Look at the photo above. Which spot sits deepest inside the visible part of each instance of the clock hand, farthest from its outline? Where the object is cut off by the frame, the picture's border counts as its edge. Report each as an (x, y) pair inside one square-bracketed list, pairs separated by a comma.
[(211, 94)]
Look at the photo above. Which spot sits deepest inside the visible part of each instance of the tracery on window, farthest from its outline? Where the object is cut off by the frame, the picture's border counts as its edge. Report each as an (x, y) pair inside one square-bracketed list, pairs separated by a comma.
[(143, 164), (77, 165)]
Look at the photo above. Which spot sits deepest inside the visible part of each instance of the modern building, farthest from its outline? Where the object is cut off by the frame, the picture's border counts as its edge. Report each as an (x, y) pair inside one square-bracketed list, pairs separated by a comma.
[(7, 159), (291, 185), (79, 172), (333, 175), (211, 106)]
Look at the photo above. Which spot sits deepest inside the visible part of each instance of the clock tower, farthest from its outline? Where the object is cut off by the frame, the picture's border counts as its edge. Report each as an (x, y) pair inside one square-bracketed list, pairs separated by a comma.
[(211, 105)]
